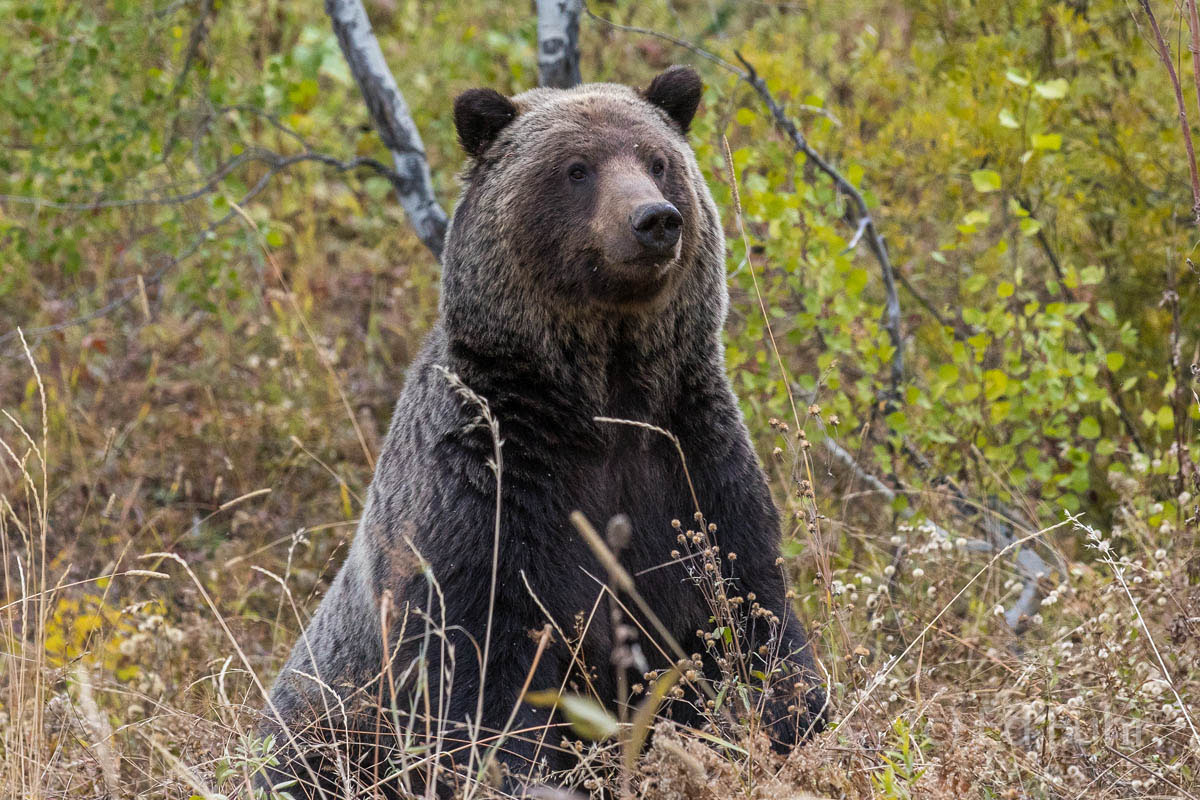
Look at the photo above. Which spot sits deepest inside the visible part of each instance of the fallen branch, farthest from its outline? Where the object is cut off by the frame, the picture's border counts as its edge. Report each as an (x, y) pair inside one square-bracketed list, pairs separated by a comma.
[(999, 536), (392, 120)]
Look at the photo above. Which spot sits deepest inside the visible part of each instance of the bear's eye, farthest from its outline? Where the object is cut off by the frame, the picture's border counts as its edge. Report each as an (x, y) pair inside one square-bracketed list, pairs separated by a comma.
[(577, 173), (658, 167)]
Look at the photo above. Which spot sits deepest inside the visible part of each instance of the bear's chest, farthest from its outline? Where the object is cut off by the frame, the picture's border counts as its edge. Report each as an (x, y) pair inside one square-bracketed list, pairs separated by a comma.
[(641, 477)]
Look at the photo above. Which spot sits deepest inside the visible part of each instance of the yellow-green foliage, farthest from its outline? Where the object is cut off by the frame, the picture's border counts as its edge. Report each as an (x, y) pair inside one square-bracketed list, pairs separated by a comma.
[(220, 346)]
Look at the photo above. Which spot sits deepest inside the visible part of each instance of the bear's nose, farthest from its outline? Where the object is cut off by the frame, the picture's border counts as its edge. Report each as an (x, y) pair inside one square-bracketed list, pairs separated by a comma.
[(657, 226)]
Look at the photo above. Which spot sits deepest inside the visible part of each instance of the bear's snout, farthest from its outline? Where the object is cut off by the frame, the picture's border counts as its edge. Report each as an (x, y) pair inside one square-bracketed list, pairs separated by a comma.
[(656, 226)]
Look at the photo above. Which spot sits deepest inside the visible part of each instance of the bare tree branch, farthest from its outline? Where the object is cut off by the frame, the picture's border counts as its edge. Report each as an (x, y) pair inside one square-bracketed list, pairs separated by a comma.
[(666, 37), (1164, 54), (392, 120), (861, 217), (961, 330), (275, 164), (558, 43), (195, 39), (998, 525)]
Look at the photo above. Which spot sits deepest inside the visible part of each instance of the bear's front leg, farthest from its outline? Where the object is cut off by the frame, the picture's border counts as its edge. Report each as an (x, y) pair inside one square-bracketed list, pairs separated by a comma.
[(794, 705), (515, 741)]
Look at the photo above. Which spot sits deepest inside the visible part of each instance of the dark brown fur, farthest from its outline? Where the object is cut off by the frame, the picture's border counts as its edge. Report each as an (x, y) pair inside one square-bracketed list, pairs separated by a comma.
[(552, 313)]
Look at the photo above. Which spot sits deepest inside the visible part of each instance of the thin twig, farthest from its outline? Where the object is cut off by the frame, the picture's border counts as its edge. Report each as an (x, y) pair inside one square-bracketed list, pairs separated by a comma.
[(960, 329), (1145, 767), (199, 33), (1164, 54), (1194, 28), (271, 159), (275, 163), (496, 465), (666, 37), (1088, 333), (195, 39), (860, 216)]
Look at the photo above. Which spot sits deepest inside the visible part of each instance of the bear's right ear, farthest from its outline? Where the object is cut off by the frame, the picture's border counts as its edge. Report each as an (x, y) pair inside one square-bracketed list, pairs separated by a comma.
[(479, 116)]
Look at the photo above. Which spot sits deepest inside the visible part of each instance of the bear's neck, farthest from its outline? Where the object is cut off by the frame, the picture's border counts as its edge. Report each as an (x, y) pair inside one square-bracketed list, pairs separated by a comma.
[(629, 366)]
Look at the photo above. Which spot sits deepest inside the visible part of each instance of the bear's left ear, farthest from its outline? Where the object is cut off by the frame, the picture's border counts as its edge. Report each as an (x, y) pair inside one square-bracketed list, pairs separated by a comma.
[(677, 92), (479, 116)]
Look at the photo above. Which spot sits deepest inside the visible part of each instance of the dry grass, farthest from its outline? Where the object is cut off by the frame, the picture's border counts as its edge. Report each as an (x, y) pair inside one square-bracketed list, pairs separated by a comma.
[(162, 542), (176, 491)]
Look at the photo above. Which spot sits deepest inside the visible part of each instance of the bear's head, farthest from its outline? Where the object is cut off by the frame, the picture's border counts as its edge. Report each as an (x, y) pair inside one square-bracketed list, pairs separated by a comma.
[(583, 199)]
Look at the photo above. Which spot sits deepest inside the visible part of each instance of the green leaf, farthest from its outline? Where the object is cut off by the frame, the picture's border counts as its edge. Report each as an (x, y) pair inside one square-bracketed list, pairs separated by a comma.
[(1115, 361), (856, 281), (1089, 428), (975, 282), (1165, 418), (588, 718), (377, 188), (643, 720), (745, 116), (973, 221), (1052, 90), (985, 180), (1047, 141), (1005, 289), (274, 238), (994, 384)]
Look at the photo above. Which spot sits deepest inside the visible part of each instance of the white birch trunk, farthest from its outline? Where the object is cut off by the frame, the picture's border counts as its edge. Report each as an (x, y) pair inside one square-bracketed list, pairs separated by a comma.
[(392, 120), (558, 42)]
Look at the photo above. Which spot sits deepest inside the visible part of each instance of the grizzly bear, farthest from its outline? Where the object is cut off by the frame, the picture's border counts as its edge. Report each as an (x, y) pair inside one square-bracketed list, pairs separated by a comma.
[(583, 282)]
